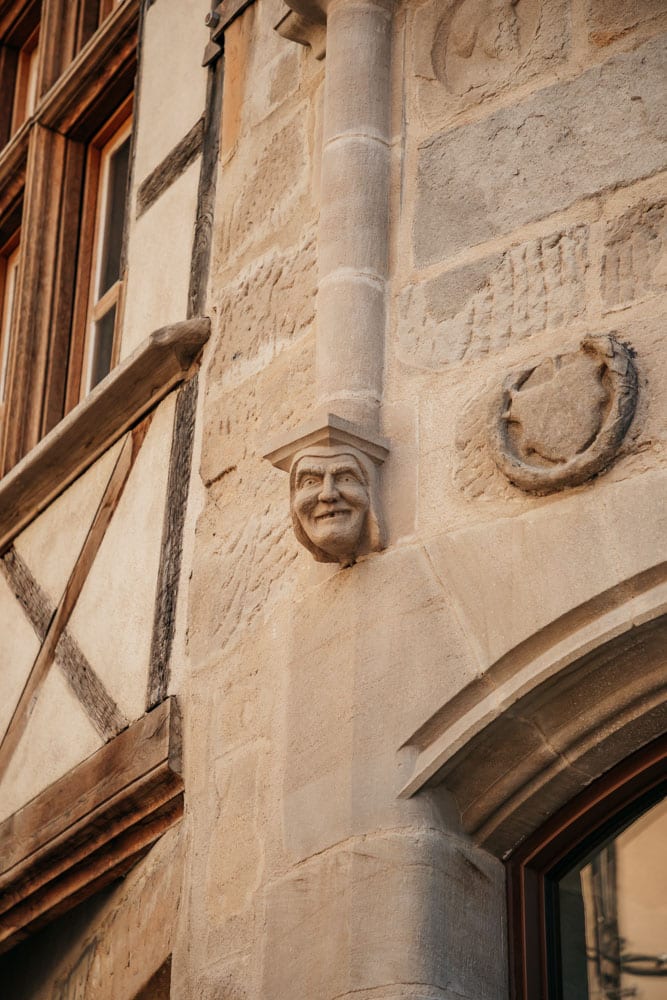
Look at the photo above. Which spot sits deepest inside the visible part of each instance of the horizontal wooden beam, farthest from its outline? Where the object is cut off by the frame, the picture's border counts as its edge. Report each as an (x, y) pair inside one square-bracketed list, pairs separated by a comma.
[(91, 825), (116, 404)]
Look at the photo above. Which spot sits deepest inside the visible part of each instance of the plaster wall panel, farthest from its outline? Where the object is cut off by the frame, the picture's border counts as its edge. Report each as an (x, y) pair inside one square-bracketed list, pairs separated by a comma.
[(160, 248), (113, 618), (18, 648), (51, 544), (172, 78), (58, 736)]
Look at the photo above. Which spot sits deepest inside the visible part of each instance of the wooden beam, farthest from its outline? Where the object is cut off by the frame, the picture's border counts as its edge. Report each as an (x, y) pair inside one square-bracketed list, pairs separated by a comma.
[(40, 668), (96, 701), (170, 168), (164, 619), (91, 825), (116, 404)]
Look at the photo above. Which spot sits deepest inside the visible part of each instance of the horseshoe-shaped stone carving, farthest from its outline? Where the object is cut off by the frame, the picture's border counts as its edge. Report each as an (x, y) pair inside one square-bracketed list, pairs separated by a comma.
[(562, 421)]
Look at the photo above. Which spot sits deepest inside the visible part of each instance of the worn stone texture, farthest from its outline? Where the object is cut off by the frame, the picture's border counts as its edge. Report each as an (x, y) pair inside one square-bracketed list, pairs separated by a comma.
[(270, 188), (466, 53), (481, 308), (634, 262), (611, 19), (522, 145), (606, 127), (270, 303), (443, 895)]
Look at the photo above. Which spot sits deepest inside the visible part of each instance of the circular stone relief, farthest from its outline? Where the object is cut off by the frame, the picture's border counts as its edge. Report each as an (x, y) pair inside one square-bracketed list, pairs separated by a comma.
[(481, 42), (562, 421)]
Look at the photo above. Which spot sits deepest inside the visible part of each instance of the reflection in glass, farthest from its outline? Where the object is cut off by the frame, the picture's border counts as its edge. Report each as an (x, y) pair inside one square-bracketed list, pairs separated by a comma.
[(100, 364), (612, 915)]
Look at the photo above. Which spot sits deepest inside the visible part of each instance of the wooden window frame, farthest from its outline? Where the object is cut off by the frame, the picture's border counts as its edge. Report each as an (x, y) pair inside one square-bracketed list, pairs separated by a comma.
[(26, 82), (8, 252), (86, 309), (19, 30), (591, 816), (79, 99)]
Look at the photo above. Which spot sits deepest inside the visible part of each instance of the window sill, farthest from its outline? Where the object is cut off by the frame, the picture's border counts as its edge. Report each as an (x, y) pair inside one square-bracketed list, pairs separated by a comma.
[(119, 401), (90, 826)]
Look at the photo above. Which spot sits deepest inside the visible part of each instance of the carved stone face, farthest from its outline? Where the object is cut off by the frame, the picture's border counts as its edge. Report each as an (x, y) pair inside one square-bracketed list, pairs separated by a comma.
[(331, 502), (332, 506)]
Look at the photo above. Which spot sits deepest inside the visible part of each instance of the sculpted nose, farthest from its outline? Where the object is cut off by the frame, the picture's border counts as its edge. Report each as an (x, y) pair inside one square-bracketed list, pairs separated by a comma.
[(328, 492)]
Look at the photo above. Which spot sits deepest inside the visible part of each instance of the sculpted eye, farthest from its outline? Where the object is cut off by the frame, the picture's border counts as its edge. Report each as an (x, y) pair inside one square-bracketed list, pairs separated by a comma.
[(347, 477), (309, 481)]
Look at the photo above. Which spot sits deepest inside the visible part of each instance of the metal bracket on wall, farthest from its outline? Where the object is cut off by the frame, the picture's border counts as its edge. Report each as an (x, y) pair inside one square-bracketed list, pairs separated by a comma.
[(217, 20)]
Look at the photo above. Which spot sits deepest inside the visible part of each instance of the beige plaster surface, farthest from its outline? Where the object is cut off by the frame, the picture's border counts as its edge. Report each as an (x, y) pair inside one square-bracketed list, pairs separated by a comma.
[(57, 738), (172, 89), (18, 648), (160, 247), (113, 618), (51, 544)]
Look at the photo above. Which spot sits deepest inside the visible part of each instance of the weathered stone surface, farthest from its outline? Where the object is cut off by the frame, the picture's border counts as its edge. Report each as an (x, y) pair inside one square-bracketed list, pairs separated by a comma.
[(590, 543), (387, 910), (634, 262), (269, 188), (268, 305), (569, 141), (482, 308), (464, 53), (610, 19), (365, 637), (562, 421)]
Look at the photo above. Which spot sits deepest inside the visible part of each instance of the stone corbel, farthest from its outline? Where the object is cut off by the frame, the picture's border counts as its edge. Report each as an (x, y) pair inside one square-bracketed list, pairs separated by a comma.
[(303, 30), (337, 458), (334, 498)]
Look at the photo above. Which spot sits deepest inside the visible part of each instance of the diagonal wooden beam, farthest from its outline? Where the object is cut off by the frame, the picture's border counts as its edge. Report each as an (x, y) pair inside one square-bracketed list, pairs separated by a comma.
[(44, 659), (98, 704)]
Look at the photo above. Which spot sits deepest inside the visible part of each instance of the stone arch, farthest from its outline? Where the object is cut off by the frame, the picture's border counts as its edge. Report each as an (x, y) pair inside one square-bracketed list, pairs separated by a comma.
[(568, 728)]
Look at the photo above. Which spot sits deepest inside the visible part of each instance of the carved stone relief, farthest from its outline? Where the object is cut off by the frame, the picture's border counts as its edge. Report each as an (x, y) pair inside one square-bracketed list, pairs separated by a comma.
[(479, 43), (562, 421), (333, 509), (334, 498)]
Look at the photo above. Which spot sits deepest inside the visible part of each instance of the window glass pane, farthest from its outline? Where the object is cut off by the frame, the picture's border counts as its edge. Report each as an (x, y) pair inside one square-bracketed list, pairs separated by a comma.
[(612, 911), (102, 348), (8, 309), (114, 216)]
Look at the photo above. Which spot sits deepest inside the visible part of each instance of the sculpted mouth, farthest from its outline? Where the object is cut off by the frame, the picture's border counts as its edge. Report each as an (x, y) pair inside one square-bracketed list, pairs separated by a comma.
[(331, 514)]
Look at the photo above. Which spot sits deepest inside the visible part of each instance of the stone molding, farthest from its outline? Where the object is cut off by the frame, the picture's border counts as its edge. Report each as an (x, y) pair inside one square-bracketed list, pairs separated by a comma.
[(326, 431), (569, 437), (90, 826), (134, 387)]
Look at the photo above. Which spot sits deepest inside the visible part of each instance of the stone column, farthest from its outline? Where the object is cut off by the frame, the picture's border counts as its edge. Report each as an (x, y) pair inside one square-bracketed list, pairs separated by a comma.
[(354, 219), (354, 223)]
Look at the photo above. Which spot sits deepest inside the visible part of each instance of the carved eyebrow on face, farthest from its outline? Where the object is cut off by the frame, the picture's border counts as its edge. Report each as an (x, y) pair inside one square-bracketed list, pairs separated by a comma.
[(309, 470)]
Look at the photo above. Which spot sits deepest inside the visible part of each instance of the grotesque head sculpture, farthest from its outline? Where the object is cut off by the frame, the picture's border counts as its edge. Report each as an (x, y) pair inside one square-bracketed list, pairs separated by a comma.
[(333, 504)]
